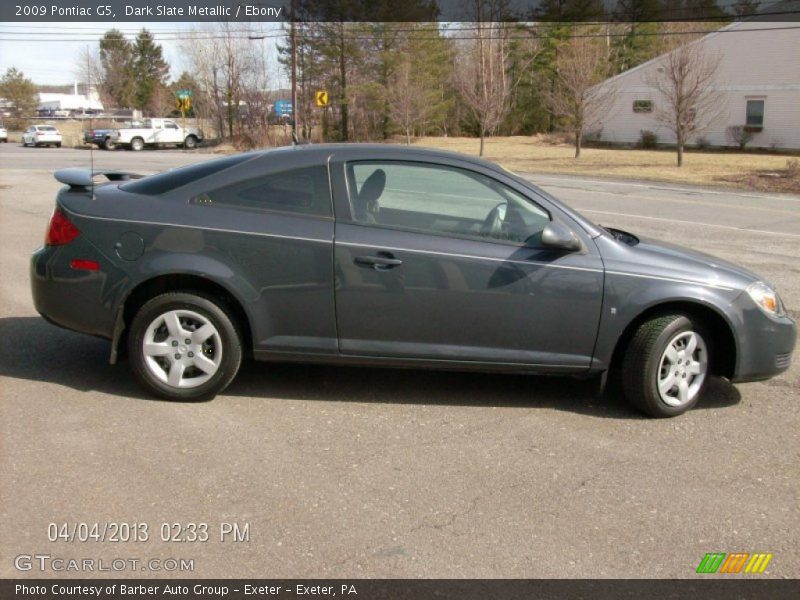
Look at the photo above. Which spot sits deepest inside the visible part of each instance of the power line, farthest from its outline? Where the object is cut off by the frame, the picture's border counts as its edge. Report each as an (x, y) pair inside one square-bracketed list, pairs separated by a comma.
[(306, 36), (85, 30)]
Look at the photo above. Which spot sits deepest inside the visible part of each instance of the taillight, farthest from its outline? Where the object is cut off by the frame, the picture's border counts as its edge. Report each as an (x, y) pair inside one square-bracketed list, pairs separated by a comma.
[(82, 264), (60, 231)]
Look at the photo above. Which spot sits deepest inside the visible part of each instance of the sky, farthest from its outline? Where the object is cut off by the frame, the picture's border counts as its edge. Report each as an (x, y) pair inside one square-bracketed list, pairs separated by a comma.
[(48, 53)]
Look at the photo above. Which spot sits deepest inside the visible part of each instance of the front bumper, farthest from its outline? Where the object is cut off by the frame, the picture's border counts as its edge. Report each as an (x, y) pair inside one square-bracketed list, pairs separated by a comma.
[(765, 343)]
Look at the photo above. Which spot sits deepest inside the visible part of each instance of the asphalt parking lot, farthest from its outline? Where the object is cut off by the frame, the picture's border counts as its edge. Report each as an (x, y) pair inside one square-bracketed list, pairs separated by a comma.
[(356, 472)]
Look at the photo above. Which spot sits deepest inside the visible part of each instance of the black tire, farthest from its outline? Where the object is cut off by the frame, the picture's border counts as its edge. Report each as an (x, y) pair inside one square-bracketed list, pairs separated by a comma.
[(190, 142), (641, 364), (58, 144), (108, 144), (137, 144), (211, 309)]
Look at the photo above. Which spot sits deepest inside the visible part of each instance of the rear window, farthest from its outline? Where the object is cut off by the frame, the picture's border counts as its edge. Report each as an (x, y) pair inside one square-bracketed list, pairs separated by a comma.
[(47, 129), (161, 183), (304, 190)]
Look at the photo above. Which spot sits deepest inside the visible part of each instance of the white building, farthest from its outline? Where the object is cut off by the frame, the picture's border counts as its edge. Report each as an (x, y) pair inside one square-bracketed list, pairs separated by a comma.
[(70, 102), (759, 81)]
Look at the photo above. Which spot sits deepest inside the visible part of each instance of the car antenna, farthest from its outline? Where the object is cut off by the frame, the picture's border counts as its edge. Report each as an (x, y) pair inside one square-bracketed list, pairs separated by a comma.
[(91, 146)]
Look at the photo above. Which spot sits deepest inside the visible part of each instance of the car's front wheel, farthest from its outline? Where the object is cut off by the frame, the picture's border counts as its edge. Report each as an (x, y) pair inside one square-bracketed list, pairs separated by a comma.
[(184, 346), (190, 142), (665, 365)]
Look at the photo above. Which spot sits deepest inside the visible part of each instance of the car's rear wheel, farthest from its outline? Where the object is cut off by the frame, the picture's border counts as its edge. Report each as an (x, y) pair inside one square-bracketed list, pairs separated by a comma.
[(58, 144), (137, 144), (665, 365), (184, 346), (108, 144)]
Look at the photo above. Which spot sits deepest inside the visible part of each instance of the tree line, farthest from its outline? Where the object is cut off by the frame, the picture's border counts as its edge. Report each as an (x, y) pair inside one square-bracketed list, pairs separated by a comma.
[(404, 73)]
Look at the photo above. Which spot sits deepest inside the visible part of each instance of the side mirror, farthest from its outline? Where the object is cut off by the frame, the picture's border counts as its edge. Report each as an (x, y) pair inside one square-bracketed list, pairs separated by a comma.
[(556, 235)]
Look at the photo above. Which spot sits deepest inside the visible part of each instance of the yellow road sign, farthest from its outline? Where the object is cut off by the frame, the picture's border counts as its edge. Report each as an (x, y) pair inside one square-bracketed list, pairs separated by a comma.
[(322, 98)]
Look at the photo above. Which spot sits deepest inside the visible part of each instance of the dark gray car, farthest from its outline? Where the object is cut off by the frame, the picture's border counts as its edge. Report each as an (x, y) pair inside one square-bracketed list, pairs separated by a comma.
[(393, 256)]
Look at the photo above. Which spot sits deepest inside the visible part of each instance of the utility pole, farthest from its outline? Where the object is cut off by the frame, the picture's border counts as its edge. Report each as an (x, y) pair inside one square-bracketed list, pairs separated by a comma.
[(293, 37)]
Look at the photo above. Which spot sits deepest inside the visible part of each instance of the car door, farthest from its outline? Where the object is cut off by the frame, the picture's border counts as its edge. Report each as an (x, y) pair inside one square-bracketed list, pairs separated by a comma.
[(443, 262), (271, 221), (170, 133), (153, 131)]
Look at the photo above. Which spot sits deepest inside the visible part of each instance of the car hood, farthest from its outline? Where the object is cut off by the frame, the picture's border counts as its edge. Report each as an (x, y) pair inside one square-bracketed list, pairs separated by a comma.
[(679, 261), (626, 253)]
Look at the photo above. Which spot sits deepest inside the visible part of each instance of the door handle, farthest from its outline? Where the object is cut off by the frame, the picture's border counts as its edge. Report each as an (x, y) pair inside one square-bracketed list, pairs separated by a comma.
[(383, 261)]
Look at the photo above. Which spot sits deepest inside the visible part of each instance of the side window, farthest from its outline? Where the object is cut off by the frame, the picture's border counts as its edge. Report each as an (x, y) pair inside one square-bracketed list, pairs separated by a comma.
[(442, 200), (755, 113), (304, 191), (170, 125)]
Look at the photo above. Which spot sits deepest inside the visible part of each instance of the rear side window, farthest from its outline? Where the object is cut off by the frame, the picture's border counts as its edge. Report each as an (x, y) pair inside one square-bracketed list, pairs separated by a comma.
[(167, 181), (305, 191)]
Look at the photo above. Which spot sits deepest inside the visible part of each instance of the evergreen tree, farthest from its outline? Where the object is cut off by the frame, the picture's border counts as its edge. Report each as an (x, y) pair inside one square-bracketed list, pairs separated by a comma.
[(117, 62), (19, 90), (635, 41), (151, 71)]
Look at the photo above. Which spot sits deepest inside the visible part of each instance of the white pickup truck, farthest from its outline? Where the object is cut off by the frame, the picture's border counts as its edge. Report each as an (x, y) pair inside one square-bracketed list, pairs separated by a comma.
[(157, 132)]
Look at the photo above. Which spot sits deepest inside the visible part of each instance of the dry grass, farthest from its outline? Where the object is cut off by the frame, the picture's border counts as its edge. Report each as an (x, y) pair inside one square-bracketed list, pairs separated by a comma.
[(534, 155)]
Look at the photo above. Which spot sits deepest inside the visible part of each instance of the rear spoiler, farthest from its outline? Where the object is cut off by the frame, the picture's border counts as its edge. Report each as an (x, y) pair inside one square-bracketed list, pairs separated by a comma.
[(78, 178)]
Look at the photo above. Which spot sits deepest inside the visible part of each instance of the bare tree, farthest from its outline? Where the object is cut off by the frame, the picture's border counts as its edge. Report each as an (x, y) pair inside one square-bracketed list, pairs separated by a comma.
[(409, 104), (89, 71), (577, 97), (225, 64), (689, 102), (481, 74)]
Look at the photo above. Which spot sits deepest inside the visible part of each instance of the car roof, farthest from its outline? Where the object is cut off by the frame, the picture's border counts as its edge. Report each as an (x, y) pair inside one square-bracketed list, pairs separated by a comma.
[(382, 150)]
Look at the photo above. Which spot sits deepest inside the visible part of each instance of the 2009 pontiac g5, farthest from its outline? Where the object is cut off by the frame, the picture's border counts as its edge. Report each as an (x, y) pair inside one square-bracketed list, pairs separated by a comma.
[(384, 255)]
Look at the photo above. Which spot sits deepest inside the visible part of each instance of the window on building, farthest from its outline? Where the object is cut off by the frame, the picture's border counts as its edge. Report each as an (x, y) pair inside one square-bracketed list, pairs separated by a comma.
[(642, 106), (755, 113)]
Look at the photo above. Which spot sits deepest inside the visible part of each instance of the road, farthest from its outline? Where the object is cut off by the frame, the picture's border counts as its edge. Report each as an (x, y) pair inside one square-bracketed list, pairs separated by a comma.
[(345, 472)]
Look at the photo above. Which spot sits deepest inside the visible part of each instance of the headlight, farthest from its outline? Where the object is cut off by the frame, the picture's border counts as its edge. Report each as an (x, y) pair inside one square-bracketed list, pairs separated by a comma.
[(766, 298)]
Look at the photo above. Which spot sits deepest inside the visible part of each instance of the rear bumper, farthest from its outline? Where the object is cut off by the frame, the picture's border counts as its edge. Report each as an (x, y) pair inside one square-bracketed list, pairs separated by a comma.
[(765, 344), (73, 299)]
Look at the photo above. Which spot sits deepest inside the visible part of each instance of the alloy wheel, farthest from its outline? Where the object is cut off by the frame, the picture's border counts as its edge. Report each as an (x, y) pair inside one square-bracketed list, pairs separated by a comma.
[(182, 348), (682, 369)]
